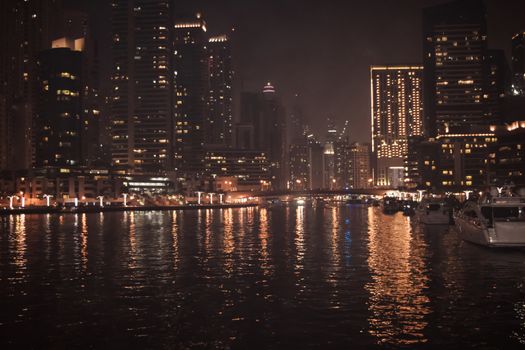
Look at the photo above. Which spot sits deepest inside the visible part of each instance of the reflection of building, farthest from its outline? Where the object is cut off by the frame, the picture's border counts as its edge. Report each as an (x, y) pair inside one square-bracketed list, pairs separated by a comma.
[(59, 108), (397, 114), (398, 307), (218, 127), (140, 100)]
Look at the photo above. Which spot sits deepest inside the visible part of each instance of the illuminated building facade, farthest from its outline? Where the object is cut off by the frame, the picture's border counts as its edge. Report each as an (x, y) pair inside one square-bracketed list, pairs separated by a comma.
[(191, 88), (140, 106), (219, 111), (360, 160), (464, 87), (57, 126), (397, 115), (518, 64), (455, 45), (249, 168)]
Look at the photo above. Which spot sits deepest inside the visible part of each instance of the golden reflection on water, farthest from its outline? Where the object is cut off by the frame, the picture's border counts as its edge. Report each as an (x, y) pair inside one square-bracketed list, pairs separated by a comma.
[(175, 238), (335, 246), (263, 238), (208, 233), (397, 303), (299, 239), (83, 242), (130, 218), (20, 260), (228, 243)]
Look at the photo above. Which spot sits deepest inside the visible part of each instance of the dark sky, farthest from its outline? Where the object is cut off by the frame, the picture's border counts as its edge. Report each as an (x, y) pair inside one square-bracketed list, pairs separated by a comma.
[(323, 49)]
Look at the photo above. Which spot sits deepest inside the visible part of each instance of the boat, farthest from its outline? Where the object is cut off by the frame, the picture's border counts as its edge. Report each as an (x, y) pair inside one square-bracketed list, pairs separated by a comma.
[(409, 207), (493, 221), (390, 205), (434, 211)]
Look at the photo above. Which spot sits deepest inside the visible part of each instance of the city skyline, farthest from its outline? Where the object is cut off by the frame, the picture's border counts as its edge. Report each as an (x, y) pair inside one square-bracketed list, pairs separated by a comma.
[(330, 61)]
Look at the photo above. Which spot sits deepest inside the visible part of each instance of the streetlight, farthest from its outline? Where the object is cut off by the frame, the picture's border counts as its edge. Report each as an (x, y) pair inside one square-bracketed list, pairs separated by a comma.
[(467, 194), (199, 194), (48, 197), (23, 201), (220, 197), (125, 195), (11, 201), (101, 200), (421, 194), (211, 198)]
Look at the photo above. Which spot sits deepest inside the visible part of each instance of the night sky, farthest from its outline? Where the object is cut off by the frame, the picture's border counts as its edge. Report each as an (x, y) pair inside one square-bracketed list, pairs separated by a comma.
[(322, 50)]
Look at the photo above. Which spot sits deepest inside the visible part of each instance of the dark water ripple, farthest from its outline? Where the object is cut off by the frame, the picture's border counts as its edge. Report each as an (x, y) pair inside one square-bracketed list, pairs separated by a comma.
[(277, 278)]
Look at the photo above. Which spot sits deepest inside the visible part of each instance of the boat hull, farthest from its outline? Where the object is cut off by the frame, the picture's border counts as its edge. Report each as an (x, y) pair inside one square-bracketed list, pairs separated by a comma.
[(504, 234)]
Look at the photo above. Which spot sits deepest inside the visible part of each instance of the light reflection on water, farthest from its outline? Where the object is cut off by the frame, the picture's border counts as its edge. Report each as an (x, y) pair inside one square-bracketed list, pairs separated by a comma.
[(279, 277), (398, 301)]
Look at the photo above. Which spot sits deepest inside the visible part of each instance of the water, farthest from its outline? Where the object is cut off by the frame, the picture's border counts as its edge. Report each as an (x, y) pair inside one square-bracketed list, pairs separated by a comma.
[(277, 278)]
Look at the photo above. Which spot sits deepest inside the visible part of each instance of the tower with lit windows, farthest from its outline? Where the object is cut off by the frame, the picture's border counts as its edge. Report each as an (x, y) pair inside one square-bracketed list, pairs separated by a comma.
[(191, 86), (464, 84), (219, 103), (140, 101), (396, 116)]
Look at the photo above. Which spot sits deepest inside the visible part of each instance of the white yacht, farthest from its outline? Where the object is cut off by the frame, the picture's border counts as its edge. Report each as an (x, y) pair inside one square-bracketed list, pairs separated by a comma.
[(432, 211), (493, 222)]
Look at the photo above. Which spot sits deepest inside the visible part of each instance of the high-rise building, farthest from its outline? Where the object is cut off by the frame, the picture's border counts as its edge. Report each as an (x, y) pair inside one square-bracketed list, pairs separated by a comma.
[(140, 104), (219, 114), (397, 115), (263, 127), (455, 61), (57, 125), (190, 62), (299, 166), (464, 85), (360, 176), (518, 64), (28, 26)]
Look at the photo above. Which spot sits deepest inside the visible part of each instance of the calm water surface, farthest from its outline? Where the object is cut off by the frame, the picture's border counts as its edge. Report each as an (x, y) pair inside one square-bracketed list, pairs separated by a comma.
[(276, 278)]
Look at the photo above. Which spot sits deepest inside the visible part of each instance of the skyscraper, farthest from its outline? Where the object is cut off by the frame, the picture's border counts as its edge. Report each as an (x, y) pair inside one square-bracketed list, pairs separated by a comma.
[(191, 88), (28, 26), (397, 114), (263, 127), (219, 112), (141, 113), (454, 45), (464, 83), (57, 125)]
